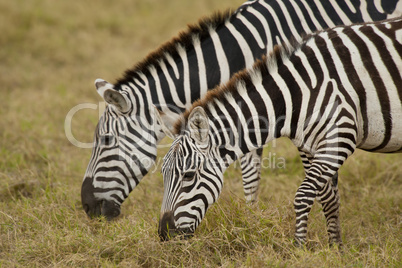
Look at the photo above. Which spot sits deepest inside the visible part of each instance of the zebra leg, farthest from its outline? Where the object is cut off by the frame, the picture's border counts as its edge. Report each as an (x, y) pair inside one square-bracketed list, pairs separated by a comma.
[(303, 202), (306, 160), (317, 182), (329, 200), (251, 169)]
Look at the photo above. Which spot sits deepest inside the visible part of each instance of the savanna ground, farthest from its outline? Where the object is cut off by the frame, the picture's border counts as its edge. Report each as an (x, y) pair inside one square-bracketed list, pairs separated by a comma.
[(50, 54)]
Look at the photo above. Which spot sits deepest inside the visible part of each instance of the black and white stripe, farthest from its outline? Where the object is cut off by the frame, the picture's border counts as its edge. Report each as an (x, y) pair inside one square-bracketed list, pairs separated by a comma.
[(182, 71), (338, 90)]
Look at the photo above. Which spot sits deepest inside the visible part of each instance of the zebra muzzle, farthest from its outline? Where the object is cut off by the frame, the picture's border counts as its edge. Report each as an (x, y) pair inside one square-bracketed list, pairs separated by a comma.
[(110, 209), (167, 229), (95, 207)]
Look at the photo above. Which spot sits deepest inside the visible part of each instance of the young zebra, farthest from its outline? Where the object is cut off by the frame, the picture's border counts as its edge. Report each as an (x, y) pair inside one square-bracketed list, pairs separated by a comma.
[(338, 90), (182, 71)]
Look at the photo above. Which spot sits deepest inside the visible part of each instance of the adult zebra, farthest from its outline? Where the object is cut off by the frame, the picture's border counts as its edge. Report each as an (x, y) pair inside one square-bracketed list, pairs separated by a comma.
[(338, 90), (182, 71)]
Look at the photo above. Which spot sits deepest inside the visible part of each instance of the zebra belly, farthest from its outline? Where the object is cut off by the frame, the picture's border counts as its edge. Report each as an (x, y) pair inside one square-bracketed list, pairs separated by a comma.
[(384, 132)]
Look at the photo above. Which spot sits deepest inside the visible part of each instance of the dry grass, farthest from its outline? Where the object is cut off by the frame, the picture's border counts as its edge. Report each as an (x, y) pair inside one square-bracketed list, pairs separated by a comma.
[(51, 52)]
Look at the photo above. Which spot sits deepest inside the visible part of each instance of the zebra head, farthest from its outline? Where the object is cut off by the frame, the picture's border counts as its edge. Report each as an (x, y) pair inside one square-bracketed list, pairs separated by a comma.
[(124, 149), (192, 179)]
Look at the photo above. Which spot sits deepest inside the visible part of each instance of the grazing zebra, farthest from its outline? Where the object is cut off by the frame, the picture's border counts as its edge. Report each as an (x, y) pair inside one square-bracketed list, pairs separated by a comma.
[(181, 71), (338, 90)]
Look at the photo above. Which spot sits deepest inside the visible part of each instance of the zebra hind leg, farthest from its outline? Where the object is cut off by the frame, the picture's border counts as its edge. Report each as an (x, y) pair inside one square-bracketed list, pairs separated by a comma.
[(330, 201), (318, 183), (251, 170)]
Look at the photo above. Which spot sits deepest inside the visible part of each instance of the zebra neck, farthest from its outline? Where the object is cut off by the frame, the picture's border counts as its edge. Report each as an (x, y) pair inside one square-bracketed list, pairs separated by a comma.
[(254, 108), (245, 122)]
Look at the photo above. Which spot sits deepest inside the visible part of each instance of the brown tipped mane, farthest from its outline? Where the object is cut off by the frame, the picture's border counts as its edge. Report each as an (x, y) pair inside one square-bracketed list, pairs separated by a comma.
[(184, 39)]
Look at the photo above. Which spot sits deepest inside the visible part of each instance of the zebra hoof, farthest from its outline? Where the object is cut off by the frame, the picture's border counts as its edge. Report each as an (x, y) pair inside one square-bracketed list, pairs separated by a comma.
[(299, 243), (336, 244)]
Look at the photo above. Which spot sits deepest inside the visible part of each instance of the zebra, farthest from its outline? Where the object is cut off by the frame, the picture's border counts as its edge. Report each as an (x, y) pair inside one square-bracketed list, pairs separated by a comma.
[(334, 91), (181, 71)]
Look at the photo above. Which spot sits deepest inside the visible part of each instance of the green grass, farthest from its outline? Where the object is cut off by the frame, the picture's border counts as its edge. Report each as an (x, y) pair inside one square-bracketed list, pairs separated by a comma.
[(51, 52)]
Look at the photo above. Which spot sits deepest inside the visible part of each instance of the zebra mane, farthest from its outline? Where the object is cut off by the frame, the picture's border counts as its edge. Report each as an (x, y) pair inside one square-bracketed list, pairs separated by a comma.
[(184, 39), (267, 64)]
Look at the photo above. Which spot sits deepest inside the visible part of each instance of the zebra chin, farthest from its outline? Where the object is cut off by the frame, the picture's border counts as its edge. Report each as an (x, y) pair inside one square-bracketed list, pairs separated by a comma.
[(97, 207), (167, 229)]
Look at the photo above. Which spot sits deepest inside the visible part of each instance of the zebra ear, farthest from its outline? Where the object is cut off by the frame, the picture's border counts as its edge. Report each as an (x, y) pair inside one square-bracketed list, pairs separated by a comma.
[(198, 125), (101, 85), (167, 129), (115, 98), (112, 96)]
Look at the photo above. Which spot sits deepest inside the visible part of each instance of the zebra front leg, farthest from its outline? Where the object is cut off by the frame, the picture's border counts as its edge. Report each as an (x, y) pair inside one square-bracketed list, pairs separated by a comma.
[(251, 169), (304, 200)]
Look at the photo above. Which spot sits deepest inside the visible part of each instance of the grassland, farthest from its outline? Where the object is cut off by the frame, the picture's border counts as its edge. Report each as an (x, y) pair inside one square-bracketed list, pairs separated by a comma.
[(50, 54)]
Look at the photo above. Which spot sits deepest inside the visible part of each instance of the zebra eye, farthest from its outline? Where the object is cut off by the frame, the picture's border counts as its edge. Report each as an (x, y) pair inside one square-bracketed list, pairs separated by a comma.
[(107, 140), (188, 176)]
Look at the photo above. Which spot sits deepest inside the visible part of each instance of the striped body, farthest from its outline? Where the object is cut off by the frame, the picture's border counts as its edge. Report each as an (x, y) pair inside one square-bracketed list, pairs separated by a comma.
[(181, 71), (338, 90)]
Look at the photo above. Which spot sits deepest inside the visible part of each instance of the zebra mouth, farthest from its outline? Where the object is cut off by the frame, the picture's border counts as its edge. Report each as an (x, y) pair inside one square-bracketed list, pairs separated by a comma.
[(109, 209), (106, 208), (185, 233), (167, 229), (182, 234)]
